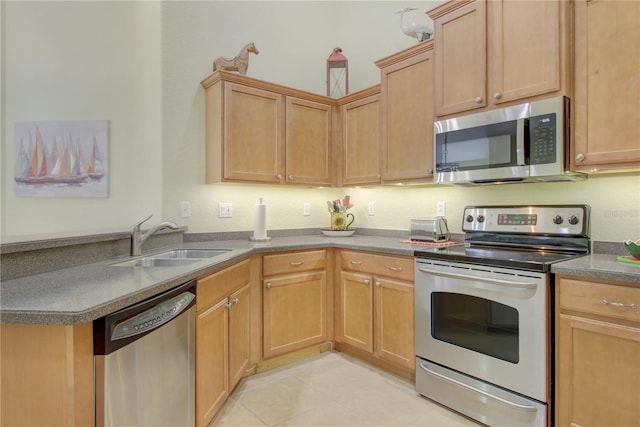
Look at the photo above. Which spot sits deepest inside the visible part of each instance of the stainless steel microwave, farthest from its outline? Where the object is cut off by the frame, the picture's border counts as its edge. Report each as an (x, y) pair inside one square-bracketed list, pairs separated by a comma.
[(521, 143)]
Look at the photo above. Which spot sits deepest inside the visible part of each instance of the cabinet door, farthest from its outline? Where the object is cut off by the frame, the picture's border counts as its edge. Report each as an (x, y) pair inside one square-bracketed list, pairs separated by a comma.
[(460, 59), (253, 147), (607, 84), (212, 361), (598, 373), (239, 334), (361, 142), (294, 312), (406, 143), (355, 313), (308, 142), (394, 321), (525, 45)]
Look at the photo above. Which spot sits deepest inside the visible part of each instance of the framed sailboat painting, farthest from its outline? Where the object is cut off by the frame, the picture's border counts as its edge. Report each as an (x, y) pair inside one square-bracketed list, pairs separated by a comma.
[(61, 158)]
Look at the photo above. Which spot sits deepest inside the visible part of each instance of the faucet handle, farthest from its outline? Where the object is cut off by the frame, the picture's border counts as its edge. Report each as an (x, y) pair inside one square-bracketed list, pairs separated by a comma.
[(137, 225)]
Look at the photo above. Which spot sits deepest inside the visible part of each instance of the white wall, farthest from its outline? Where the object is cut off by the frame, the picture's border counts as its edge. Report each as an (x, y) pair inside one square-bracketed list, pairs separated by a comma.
[(139, 64), (85, 61)]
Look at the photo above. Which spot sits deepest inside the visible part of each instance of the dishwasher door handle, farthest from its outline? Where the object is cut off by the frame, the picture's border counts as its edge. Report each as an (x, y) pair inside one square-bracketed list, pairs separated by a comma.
[(153, 317)]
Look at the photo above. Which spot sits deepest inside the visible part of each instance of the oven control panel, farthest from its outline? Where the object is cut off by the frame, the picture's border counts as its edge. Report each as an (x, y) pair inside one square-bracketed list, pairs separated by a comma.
[(565, 220)]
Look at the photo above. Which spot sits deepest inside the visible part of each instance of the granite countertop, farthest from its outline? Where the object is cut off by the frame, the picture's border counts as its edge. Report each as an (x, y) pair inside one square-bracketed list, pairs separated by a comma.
[(84, 293), (601, 267)]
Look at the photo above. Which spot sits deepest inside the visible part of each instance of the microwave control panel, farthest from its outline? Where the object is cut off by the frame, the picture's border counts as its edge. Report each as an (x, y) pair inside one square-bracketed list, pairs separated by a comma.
[(542, 139)]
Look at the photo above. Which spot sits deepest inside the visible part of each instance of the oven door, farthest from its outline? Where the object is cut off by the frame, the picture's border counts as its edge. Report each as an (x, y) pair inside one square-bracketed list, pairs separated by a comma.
[(487, 322)]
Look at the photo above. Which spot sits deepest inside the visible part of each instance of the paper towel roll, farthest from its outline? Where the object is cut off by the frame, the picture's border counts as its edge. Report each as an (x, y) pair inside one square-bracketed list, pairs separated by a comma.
[(260, 225)]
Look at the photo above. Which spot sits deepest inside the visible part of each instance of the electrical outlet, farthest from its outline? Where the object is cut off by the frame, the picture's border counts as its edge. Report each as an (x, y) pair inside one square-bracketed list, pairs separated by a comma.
[(225, 210), (185, 209), (306, 209), (441, 208), (372, 208)]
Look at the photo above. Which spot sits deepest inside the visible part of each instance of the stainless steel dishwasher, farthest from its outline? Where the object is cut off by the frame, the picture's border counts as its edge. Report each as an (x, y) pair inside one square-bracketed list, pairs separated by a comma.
[(145, 362)]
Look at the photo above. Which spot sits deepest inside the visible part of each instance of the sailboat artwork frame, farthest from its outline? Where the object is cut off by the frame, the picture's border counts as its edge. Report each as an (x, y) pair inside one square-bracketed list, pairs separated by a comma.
[(61, 158)]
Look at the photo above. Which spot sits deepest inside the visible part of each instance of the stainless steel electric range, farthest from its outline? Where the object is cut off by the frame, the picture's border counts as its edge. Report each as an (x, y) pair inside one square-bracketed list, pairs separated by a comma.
[(484, 312)]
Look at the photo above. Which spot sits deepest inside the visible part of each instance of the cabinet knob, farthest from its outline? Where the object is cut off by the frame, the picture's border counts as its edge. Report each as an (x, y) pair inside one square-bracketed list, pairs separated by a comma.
[(378, 284), (497, 95), (429, 170), (579, 157), (290, 177), (378, 177), (269, 285), (478, 100), (228, 305), (279, 177), (366, 281), (235, 300)]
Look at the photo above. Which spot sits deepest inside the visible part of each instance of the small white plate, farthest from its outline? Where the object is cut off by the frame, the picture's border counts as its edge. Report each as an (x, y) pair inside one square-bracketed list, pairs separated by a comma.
[(337, 233)]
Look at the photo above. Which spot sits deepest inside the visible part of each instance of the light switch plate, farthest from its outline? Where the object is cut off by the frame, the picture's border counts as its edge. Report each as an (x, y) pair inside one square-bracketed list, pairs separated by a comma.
[(225, 210), (185, 209), (441, 208)]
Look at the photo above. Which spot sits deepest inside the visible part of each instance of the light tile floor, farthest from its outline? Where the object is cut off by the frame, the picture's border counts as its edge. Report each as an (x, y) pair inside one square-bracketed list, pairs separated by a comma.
[(331, 389)]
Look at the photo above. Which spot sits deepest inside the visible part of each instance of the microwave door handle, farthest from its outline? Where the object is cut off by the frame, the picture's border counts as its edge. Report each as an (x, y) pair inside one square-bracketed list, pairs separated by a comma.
[(520, 141), (499, 282)]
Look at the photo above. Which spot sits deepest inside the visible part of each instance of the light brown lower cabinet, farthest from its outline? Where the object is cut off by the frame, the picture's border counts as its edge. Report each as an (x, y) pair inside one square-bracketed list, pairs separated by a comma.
[(597, 354), (222, 337), (294, 301), (46, 375), (374, 310)]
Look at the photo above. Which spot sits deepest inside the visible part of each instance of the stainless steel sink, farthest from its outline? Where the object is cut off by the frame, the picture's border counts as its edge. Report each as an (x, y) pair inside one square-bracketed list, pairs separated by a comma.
[(191, 253), (156, 262)]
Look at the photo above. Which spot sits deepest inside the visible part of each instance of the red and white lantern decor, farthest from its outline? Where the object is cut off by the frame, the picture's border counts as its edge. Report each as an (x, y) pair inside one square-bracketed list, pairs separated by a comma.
[(337, 74)]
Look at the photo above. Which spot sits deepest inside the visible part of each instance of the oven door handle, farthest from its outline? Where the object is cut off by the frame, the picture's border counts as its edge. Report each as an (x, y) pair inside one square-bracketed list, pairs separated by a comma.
[(509, 283), (477, 390)]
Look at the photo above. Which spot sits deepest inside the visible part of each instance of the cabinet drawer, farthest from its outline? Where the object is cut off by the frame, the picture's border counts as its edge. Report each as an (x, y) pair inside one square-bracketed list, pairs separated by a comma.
[(600, 298), (395, 267), (221, 284), (293, 262)]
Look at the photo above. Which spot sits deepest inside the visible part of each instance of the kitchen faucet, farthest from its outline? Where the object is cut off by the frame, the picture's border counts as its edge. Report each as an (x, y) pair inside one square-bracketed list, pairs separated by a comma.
[(138, 237)]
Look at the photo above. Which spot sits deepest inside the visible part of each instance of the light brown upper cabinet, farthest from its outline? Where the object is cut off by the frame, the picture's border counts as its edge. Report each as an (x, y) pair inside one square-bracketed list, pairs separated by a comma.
[(406, 114), (360, 117), (260, 132), (490, 53), (607, 85)]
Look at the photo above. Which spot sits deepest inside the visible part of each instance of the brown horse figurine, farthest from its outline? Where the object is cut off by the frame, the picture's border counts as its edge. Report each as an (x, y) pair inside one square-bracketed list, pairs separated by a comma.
[(240, 63)]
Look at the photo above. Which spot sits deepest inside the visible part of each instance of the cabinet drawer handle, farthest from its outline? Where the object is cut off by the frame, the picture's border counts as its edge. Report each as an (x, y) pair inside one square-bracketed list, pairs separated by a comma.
[(269, 285), (355, 262), (296, 263), (619, 304), (395, 268)]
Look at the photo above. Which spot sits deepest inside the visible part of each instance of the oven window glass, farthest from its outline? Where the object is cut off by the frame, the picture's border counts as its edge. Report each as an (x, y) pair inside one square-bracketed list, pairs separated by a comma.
[(483, 147), (477, 324)]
